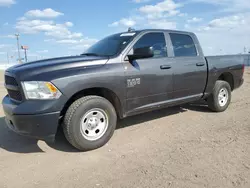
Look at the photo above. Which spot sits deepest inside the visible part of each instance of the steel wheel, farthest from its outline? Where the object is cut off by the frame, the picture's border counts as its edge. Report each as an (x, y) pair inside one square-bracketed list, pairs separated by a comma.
[(223, 97), (94, 124)]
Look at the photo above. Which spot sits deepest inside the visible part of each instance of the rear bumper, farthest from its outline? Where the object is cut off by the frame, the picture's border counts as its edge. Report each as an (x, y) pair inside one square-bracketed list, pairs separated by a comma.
[(40, 126)]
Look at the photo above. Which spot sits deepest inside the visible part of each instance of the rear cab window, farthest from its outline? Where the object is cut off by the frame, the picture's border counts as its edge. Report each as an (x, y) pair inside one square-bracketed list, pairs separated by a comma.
[(183, 45)]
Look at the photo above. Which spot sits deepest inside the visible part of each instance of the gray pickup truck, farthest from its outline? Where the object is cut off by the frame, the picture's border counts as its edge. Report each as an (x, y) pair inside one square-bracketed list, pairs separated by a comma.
[(122, 75)]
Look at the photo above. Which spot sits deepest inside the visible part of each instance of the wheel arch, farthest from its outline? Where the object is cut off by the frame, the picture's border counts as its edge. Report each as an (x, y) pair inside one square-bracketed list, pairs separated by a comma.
[(227, 77), (106, 93)]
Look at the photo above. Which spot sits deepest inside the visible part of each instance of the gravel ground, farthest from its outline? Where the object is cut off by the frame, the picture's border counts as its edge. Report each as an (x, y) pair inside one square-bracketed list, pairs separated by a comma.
[(186, 146)]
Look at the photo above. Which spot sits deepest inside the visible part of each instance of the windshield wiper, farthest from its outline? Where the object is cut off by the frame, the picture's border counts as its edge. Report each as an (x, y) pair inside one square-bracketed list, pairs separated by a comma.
[(90, 54)]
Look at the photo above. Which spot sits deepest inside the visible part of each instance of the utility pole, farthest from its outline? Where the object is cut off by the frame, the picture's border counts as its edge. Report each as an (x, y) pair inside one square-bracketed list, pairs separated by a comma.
[(18, 50), (25, 54), (25, 48)]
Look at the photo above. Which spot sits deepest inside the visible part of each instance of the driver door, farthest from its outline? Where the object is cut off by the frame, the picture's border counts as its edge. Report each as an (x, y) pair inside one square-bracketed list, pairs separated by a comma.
[(149, 81)]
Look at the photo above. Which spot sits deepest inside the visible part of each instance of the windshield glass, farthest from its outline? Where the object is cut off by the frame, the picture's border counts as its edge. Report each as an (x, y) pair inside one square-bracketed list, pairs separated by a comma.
[(111, 45)]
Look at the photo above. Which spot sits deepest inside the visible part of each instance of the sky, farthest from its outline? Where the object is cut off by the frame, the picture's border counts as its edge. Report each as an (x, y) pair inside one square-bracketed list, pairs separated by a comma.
[(61, 28)]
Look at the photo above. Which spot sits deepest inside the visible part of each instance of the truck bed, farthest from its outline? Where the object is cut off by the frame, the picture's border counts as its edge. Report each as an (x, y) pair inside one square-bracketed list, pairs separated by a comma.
[(229, 59), (231, 66)]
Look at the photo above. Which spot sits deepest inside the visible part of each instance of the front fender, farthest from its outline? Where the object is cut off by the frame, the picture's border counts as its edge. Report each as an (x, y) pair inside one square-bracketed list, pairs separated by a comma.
[(110, 77)]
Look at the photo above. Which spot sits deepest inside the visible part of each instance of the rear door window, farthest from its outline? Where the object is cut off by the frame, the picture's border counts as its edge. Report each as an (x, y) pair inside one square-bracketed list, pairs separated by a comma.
[(183, 45)]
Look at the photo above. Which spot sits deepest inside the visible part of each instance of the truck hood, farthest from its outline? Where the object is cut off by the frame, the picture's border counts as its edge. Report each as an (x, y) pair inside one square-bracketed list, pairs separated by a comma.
[(56, 64)]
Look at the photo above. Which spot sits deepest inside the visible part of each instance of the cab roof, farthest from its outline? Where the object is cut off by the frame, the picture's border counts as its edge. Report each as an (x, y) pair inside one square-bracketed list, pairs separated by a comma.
[(159, 30)]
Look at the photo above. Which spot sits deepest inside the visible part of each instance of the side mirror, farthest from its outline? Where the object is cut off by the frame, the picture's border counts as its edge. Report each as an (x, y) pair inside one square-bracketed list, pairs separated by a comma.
[(141, 53)]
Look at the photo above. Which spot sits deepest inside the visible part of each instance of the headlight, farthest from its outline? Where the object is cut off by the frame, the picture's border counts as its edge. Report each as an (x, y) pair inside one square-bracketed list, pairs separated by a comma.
[(40, 90)]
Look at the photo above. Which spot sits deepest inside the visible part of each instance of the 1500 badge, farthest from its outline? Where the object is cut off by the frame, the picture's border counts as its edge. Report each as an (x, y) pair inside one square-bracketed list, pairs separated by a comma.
[(133, 82)]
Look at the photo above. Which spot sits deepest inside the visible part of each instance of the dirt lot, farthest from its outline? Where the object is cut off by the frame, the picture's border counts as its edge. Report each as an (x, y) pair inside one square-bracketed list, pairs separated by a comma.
[(184, 146)]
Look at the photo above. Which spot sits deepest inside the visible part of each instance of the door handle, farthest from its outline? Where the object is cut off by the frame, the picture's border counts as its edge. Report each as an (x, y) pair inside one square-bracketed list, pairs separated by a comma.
[(200, 64), (165, 67)]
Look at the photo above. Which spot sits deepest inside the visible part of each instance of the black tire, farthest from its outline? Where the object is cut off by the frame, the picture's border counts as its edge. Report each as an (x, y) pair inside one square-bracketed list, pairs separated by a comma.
[(72, 122), (213, 100)]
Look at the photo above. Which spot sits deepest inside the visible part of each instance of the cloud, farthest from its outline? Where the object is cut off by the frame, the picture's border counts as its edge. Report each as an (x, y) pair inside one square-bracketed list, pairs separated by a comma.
[(79, 45), (127, 22), (186, 26), (57, 31), (83, 41), (236, 21), (69, 24), (49, 27), (2, 53), (153, 16), (33, 26), (63, 33), (194, 20), (67, 41), (161, 24), (161, 9), (183, 14), (49, 40), (2, 46), (141, 1), (31, 54), (225, 35), (42, 51), (6, 3), (46, 13), (228, 21), (219, 43), (8, 36), (235, 6)]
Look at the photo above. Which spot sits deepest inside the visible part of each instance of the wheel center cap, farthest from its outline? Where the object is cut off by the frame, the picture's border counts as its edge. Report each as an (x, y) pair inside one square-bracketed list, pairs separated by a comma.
[(93, 123)]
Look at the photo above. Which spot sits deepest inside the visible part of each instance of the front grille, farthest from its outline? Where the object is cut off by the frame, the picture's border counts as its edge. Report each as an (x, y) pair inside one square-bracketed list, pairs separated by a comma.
[(16, 95), (10, 81)]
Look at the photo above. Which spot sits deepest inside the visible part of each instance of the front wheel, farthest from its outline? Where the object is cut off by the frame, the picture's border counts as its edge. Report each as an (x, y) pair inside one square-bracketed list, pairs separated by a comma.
[(220, 98), (89, 122)]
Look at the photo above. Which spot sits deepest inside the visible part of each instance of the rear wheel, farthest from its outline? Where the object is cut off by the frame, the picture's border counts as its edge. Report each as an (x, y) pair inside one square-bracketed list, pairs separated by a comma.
[(89, 122), (220, 98)]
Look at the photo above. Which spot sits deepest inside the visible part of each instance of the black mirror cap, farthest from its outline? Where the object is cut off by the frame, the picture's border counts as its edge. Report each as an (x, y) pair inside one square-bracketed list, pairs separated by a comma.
[(141, 53)]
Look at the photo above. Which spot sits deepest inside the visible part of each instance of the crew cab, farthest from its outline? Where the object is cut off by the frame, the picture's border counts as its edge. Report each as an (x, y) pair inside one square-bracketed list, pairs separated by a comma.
[(121, 75)]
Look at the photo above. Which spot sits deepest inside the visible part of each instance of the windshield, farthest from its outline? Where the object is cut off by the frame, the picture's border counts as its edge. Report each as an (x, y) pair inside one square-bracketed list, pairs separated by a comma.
[(111, 45)]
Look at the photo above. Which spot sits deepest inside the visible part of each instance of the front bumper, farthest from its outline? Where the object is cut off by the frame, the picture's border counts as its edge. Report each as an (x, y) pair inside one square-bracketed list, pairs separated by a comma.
[(41, 126)]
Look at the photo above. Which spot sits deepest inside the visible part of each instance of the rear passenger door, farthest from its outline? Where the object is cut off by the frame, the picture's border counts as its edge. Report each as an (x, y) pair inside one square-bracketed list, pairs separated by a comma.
[(189, 67)]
